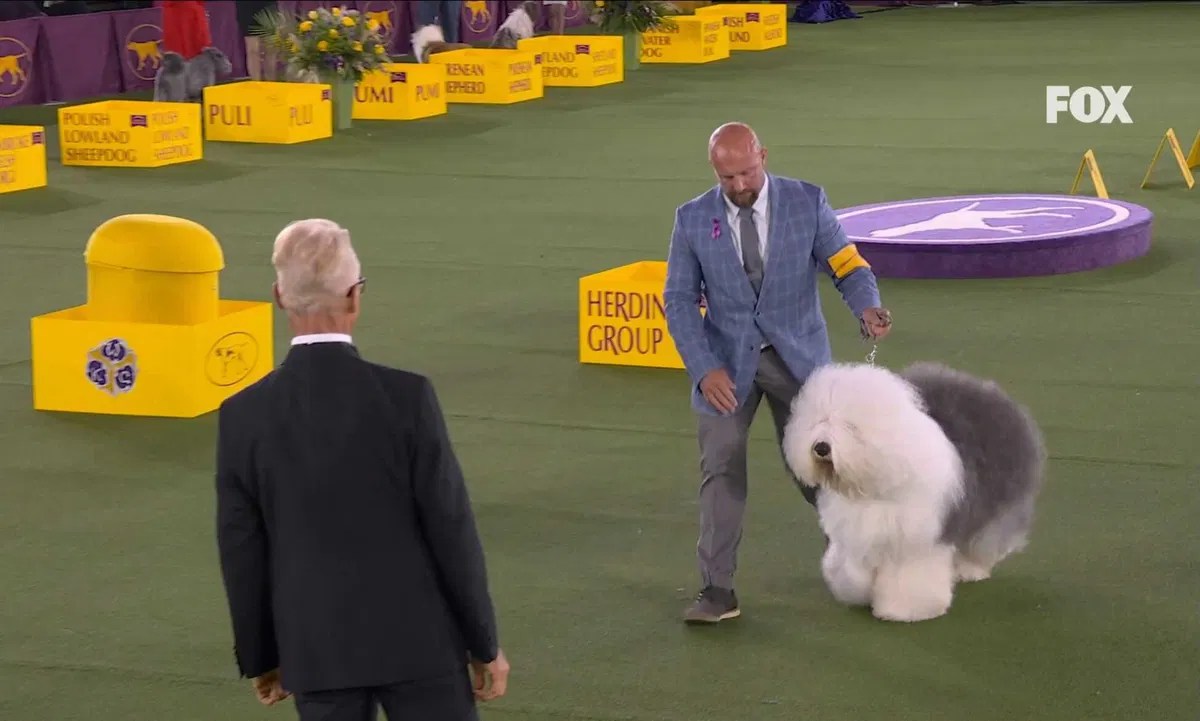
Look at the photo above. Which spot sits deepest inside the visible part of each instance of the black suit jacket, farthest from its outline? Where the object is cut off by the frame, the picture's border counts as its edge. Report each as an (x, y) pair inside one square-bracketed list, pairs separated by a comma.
[(347, 542)]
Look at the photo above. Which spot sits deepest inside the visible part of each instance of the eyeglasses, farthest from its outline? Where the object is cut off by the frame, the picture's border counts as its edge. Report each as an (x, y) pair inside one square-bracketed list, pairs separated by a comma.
[(361, 285)]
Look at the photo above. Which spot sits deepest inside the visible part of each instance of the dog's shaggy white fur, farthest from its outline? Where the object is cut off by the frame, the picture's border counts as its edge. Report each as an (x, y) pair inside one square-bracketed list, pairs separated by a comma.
[(925, 478)]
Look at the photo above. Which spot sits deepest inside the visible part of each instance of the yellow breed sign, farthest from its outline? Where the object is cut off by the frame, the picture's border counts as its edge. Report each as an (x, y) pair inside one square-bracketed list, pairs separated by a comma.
[(754, 27), (621, 317), (490, 76), (265, 112), (401, 91), (579, 61), (130, 133), (690, 39), (22, 157)]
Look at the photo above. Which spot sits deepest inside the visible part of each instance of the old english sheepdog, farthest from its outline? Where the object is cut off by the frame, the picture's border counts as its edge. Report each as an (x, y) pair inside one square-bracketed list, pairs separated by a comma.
[(926, 478)]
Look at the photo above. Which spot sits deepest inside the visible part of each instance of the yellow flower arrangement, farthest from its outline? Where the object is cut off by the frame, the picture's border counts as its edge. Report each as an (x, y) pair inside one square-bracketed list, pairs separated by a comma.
[(332, 42)]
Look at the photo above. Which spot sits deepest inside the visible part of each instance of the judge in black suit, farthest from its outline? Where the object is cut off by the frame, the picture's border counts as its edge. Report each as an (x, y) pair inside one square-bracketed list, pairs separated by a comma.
[(351, 562)]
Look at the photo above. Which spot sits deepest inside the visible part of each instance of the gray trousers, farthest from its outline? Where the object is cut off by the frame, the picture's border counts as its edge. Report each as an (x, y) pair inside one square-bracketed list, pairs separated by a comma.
[(723, 441)]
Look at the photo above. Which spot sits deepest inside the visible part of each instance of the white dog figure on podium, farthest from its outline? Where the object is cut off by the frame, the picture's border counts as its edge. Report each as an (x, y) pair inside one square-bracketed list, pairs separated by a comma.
[(925, 478)]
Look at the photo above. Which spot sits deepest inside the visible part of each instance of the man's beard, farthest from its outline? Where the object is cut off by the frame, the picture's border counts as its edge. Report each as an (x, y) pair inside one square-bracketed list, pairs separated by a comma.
[(745, 199)]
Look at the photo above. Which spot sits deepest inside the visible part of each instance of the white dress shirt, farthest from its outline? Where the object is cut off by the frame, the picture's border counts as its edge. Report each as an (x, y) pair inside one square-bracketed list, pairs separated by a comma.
[(761, 221), (322, 338)]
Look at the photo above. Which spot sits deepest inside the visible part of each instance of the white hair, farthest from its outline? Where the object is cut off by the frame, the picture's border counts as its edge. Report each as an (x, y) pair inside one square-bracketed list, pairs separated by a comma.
[(315, 265)]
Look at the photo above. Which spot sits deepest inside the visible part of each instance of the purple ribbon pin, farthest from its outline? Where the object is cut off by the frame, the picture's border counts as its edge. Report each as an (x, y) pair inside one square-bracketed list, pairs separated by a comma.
[(716, 231)]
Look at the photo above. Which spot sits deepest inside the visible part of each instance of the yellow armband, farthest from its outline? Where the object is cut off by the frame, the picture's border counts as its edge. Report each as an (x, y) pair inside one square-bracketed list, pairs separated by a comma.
[(846, 261)]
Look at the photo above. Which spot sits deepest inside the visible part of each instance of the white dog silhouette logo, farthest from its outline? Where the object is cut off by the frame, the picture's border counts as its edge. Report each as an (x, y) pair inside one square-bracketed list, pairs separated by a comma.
[(968, 218)]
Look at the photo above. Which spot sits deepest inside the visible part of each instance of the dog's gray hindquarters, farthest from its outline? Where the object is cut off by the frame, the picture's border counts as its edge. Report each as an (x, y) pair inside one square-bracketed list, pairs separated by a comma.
[(1001, 448)]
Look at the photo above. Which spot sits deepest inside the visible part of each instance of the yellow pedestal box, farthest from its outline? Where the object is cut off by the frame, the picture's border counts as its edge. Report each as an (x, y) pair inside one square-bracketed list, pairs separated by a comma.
[(751, 27), (689, 39), (578, 61), (621, 317), (130, 134), (266, 112), (401, 91), (22, 157), (154, 338), (490, 76)]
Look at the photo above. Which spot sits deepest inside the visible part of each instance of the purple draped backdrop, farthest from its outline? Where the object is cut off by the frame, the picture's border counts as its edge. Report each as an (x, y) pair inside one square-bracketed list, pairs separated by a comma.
[(74, 57), (67, 40)]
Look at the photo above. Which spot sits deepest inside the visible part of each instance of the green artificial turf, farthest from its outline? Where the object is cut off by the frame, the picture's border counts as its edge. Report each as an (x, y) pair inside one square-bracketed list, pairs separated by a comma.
[(474, 228)]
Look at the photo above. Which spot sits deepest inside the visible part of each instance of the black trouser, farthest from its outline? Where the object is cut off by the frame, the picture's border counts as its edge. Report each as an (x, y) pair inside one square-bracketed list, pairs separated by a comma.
[(449, 698)]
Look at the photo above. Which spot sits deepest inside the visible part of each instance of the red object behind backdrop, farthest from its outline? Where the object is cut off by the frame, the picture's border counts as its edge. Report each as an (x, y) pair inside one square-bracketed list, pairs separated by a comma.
[(185, 27)]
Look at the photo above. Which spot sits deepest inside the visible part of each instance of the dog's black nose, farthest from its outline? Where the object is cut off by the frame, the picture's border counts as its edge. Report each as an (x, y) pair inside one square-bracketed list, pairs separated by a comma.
[(821, 449)]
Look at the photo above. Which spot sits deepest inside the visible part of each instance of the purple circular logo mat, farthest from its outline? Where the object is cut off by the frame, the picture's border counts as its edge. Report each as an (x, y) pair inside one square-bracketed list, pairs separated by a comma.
[(996, 235)]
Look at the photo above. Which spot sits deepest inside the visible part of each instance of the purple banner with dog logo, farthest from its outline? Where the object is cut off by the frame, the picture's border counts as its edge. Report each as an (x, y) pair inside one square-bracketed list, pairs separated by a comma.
[(395, 22), (577, 14), (139, 46), (479, 20), (21, 80)]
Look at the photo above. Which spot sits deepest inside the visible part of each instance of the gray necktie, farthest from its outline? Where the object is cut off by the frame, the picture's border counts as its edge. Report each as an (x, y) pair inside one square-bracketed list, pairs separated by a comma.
[(751, 256)]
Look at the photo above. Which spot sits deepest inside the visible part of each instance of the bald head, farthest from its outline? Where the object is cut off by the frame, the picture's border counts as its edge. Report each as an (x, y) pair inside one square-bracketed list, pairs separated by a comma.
[(739, 161), (733, 137)]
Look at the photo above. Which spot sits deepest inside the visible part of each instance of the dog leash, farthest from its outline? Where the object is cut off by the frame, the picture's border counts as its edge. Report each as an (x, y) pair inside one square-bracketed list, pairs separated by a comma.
[(862, 329)]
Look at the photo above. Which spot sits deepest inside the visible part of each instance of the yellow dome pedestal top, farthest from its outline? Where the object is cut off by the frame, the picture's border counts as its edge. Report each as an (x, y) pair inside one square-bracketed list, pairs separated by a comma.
[(153, 269), (154, 337)]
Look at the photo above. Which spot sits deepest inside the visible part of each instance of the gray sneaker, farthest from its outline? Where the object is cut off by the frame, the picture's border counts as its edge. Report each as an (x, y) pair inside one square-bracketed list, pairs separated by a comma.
[(712, 605)]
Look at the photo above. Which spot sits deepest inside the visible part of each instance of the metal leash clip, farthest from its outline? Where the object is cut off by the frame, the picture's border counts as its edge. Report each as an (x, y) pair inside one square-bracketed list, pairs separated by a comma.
[(862, 329)]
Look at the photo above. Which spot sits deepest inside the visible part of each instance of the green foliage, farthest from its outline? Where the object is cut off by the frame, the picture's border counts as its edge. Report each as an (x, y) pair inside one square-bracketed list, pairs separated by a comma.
[(618, 16)]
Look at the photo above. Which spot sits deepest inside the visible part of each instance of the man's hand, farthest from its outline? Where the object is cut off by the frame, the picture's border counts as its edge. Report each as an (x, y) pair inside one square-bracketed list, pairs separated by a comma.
[(876, 323), (491, 679), (269, 688), (718, 389)]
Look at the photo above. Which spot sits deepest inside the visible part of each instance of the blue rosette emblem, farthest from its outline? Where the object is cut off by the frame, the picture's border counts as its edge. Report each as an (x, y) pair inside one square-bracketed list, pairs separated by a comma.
[(112, 367)]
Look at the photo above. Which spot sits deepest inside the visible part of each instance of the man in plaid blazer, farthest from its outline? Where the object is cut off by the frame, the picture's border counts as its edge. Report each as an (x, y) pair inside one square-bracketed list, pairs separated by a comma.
[(752, 248)]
